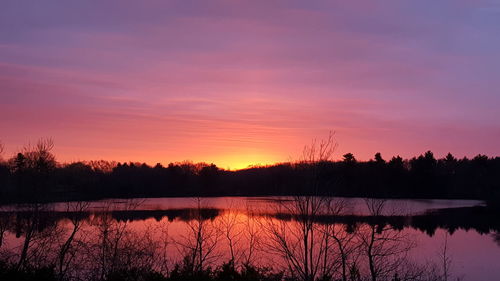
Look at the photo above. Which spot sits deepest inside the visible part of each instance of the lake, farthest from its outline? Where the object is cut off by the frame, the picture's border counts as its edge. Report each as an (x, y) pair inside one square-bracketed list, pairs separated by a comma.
[(298, 235)]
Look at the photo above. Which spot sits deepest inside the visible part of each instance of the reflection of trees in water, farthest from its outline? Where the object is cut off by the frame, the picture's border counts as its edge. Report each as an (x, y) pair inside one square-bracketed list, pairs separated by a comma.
[(302, 244), (71, 245), (496, 237), (112, 246), (78, 245), (5, 224), (229, 225), (198, 244), (38, 234), (479, 219), (186, 214), (252, 235), (311, 250), (385, 248), (313, 240)]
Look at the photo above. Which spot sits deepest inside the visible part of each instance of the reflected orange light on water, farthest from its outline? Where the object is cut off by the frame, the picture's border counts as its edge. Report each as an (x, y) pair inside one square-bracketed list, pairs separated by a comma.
[(253, 229)]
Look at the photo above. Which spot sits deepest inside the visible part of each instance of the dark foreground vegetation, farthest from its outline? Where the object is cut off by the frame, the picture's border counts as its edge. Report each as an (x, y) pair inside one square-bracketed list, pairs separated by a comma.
[(226, 272), (314, 240), (34, 175)]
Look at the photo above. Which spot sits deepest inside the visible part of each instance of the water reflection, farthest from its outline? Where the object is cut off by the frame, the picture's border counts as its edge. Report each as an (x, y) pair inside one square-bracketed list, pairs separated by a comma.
[(307, 238)]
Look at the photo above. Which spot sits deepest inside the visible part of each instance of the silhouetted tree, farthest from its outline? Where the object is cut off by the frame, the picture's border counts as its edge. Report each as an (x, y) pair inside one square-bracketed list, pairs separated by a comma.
[(33, 168), (385, 247), (199, 243), (302, 243), (349, 158), (379, 159), (68, 252)]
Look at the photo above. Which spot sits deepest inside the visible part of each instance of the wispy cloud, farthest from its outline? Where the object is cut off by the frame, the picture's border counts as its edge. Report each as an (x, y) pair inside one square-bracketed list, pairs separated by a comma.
[(214, 81)]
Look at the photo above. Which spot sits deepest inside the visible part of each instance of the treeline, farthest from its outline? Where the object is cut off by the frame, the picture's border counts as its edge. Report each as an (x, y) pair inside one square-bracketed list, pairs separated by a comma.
[(34, 174)]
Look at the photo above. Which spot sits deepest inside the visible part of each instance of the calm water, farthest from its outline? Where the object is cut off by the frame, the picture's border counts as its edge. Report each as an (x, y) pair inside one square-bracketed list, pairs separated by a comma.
[(159, 232)]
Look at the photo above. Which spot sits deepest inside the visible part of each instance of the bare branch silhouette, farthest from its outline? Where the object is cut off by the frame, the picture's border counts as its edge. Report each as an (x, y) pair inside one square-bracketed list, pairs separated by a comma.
[(385, 248), (199, 244)]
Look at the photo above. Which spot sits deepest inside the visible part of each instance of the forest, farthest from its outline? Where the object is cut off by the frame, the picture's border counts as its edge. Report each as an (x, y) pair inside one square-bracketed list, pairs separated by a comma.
[(33, 174)]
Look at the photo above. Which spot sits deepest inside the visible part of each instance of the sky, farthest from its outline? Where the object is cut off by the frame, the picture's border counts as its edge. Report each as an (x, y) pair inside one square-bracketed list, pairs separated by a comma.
[(236, 83)]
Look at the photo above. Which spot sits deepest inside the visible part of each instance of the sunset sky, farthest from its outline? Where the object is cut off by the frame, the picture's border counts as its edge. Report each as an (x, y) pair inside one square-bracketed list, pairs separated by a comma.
[(245, 82)]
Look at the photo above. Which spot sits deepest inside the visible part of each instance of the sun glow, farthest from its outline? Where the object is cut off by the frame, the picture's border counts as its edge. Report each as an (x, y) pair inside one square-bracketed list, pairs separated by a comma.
[(243, 161)]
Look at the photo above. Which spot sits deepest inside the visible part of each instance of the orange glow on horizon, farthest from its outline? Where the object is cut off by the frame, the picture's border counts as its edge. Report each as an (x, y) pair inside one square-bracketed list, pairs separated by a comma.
[(228, 161)]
